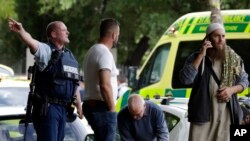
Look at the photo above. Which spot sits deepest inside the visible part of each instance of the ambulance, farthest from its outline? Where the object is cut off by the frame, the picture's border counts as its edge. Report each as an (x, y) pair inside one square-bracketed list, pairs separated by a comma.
[(159, 75)]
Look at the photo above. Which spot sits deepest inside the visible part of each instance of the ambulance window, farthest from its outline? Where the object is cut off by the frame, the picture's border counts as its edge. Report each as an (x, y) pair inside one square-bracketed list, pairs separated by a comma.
[(185, 49), (240, 46), (154, 68)]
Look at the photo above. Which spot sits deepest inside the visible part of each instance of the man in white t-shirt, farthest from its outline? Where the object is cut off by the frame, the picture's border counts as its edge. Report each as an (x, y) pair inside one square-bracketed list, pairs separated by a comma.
[(100, 75)]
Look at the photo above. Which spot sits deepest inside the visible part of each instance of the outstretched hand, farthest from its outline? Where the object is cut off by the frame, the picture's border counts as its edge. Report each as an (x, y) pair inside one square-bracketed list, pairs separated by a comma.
[(14, 25)]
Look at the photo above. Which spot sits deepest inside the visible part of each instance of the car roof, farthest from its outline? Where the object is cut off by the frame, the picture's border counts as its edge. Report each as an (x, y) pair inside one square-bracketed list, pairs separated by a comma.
[(181, 103), (79, 126), (10, 111), (176, 106), (14, 82), (6, 71)]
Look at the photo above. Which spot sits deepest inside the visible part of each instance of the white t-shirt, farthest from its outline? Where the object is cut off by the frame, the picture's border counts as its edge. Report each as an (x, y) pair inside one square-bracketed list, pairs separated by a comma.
[(98, 57)]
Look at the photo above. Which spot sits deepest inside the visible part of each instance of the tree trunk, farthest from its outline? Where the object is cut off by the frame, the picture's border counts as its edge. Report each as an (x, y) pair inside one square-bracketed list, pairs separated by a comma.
[(136, 57), (216, 16)]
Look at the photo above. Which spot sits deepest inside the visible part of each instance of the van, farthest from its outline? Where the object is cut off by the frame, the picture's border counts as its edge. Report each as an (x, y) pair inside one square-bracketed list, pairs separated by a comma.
[(159, 75)]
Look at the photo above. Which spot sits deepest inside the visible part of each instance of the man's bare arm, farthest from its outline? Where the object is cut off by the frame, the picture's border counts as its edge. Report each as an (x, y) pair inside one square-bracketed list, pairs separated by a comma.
[(24, 35), (106, 88), (79, 103)]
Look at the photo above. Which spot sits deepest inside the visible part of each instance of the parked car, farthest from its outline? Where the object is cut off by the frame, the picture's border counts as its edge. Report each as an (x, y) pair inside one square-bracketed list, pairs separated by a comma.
[(176, 117), (13, 126), (14, 92), (5, 71), (13, 100)]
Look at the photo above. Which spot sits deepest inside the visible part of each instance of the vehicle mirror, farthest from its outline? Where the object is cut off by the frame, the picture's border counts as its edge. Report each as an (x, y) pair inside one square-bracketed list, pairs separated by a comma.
[(166, 101), (72, 117), (90, 137)]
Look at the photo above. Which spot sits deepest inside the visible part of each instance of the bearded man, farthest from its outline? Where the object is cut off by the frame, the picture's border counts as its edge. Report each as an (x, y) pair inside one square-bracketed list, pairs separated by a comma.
[(208, 111)]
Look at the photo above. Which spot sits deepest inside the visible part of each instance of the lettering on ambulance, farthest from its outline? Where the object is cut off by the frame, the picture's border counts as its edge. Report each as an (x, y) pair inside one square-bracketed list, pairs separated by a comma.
[(199, 25), (234, 19), (233, 23), (203, 20)]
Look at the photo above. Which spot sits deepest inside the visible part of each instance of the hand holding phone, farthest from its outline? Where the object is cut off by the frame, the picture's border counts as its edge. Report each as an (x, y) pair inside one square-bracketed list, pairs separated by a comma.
[(205, 45)]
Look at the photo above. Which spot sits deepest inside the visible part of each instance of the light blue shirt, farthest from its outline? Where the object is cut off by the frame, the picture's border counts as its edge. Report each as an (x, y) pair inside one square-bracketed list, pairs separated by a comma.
[(42, 55)]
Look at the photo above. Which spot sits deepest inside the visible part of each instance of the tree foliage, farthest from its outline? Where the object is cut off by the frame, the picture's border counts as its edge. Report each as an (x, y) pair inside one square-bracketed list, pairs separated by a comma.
[(142, 23)]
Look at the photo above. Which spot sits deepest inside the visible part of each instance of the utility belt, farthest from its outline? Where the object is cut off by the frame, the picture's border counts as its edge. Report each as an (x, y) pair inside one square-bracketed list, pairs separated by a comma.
[(42, 104), (57, 101)]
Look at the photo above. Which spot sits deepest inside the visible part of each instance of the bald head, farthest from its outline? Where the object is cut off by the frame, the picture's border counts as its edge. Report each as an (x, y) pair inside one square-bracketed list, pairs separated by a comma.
[(136, 106)]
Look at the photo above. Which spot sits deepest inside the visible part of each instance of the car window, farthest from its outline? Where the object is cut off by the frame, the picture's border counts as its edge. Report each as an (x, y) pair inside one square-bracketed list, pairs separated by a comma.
[(6, 71), (186, 48), (14, 129), (154, 68), (171, 120), (10, 96), (90, 137)]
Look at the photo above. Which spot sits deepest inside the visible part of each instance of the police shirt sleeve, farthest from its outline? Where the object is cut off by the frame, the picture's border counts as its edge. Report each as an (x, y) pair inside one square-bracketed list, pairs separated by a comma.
[(42, 55)]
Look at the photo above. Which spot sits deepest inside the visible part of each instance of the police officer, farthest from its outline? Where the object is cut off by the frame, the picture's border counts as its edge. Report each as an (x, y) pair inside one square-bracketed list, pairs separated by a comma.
[(56, 79)]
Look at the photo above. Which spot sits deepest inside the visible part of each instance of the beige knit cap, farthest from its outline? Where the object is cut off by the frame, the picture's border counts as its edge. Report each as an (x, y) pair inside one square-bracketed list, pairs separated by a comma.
[(214, 26)]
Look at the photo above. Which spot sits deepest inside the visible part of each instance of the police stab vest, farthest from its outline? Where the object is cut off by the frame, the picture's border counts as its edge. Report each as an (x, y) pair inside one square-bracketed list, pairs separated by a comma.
[(59, 79)]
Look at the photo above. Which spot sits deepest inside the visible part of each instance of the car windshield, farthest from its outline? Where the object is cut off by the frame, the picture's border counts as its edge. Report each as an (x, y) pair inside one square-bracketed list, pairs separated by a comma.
[(13, 96), (15, 130)]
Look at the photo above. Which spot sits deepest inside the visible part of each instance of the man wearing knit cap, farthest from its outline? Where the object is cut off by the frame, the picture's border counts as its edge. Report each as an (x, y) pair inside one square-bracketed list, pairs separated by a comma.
[(208, 112)]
